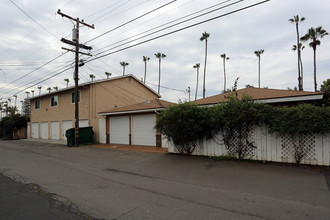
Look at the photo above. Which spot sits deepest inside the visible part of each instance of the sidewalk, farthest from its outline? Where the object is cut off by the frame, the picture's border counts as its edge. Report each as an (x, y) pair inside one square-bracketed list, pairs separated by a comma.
[(63, 142)]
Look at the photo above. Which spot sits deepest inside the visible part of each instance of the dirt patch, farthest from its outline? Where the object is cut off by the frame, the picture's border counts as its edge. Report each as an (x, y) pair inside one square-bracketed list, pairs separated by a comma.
[(134, 148)]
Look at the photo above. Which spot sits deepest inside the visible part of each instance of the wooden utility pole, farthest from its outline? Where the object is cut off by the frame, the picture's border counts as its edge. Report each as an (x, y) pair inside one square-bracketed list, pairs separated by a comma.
[(75, 43)]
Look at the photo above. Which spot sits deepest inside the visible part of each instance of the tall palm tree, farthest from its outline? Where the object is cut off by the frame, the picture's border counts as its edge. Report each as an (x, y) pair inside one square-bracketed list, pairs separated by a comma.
[(258, 54), (32, 93), (124, 64), (145, 60), (314, 35), (49, 89), (55, 87), (15, 96), (92, 76), (159, 56), (205, 36), (27, 94), (108, 74), (296, 20), (197, 66), (224, 57), (39, 87), (295, 48), (67, 82)]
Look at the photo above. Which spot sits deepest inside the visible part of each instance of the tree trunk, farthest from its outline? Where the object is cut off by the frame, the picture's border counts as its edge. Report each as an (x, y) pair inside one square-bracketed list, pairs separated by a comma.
[(145, 72), (299, 59), (315, 83), (159, 76), (259, 71), (224, 74), (197, 83), (205, 68)]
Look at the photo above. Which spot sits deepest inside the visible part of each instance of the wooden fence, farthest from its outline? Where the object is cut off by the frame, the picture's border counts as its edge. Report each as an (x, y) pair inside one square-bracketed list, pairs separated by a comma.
[(269, 147)]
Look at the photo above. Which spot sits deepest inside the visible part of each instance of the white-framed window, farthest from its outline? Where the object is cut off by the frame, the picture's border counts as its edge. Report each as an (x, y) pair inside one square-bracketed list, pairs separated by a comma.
[(37, 104), (53, 101), (72, 97)]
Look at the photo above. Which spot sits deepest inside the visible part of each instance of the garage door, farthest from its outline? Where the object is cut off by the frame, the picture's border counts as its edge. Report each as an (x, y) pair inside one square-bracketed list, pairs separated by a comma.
[(83, 123), (44, 130), (65, 126), (143, 132), (55, 130), (119, 130), (35, 130)]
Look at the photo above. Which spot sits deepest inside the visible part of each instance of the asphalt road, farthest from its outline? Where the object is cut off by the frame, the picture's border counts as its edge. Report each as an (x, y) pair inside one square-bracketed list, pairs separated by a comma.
[(112, 184)]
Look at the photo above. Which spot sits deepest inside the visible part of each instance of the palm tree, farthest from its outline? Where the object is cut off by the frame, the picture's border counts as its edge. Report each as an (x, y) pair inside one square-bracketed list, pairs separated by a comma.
[(67, 82), (205, 36), (92, 76), (296, 20), (108, 74), (159, 56), (124, 64), (258, 54), (314, 35), (15, 96), (197, 68), (49, 89), (39, 87), (145, 60), (9, 101), (295, 48), (224, 57), (32, 93), (27, 94), (56, 88)]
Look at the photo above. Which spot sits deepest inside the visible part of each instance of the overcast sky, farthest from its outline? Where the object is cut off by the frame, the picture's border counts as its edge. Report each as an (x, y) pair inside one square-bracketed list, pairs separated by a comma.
[(31, 38)]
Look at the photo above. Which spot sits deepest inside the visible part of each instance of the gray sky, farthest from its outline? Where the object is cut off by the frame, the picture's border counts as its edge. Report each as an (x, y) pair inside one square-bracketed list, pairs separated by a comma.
[(30, 40)]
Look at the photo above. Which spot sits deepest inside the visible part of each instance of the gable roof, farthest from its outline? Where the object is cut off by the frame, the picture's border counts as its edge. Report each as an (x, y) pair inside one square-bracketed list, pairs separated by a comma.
[(146, 106), (95, 82), (264, 95)]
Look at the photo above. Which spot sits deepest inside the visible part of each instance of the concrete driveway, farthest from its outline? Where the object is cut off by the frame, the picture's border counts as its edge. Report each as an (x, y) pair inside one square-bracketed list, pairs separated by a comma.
[(112, 184)]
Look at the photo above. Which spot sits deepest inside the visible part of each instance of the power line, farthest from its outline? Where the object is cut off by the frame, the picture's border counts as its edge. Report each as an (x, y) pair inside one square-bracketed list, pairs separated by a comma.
[(178, 30), (130, 21)]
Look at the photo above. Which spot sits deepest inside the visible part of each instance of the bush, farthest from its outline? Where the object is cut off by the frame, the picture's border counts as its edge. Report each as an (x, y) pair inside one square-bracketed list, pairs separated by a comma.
[(8, 124)]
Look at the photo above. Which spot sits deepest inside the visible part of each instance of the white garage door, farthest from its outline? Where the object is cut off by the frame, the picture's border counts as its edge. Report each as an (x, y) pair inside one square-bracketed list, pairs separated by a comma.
[(83, 123), (143, 132), (35, 130), (44, 130), (55, 130), (65, 126), (119, 130)]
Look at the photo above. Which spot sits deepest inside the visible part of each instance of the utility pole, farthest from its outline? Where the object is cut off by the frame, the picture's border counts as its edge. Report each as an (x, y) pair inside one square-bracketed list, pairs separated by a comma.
[(188, 90), (75, 42)]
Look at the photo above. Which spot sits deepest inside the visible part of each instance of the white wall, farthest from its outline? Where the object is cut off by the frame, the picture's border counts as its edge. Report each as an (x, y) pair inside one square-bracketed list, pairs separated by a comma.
[(102, 131), (269, 148)]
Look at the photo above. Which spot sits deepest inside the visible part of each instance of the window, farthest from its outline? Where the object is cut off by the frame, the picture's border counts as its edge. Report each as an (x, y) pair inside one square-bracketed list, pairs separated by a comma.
[(72, 97), (53, 101), (37, 104)]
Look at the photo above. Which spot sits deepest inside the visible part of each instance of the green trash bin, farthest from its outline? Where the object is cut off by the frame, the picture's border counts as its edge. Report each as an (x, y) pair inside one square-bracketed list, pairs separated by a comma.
[(86, 135)]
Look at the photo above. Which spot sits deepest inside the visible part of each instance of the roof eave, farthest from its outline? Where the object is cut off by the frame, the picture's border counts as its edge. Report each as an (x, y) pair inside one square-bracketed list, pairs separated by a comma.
[(130, 112)]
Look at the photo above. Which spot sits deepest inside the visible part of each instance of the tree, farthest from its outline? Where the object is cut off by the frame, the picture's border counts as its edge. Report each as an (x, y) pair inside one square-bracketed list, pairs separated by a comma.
[(32, 91), (224, 57), (145, 60), (39, 87), (56, 88), (295, 48), (27, 94), (197, 68), (325, 87), (205, 36), (67, 82), (15, 96), (49, 89), (159, 56), (107, 74), (92, 76), (124, 64), (258, 54), (296, 20), (314, 35)]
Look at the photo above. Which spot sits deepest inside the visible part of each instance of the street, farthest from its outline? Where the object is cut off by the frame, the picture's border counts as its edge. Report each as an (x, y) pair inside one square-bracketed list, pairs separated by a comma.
[(113, 184)]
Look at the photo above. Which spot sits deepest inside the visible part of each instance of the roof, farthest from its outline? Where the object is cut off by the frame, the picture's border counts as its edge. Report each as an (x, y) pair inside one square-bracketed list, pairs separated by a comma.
[(94, 82), (264, 95), (146, 106)]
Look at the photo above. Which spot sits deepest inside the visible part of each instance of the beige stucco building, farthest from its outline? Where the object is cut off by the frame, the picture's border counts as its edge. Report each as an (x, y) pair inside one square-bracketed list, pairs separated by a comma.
[(53, 113)]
